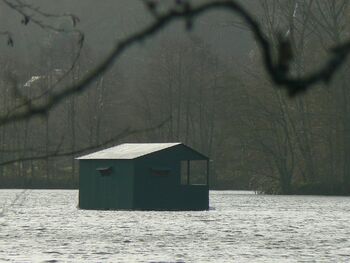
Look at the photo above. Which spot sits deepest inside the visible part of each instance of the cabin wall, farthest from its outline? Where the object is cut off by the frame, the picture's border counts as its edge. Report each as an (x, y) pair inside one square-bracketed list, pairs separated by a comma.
[(113, 191), (181, 152), (165, 191), (150, 182), (156, 190)]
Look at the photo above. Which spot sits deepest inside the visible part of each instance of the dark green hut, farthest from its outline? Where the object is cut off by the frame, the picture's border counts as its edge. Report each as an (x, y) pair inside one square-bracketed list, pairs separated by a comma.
[(144, 176)]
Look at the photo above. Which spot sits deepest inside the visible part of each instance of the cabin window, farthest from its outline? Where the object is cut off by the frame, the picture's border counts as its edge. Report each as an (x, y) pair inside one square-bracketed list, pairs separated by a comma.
[(160, 172), (194, 172), (105, 171)]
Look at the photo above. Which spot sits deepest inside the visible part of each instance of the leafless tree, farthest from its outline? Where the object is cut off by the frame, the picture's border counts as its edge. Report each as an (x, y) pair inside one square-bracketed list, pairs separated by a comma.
[(282, 66)]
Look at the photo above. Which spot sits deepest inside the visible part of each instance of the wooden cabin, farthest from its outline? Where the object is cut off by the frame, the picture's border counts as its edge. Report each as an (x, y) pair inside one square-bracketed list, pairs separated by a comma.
[(144, 176)]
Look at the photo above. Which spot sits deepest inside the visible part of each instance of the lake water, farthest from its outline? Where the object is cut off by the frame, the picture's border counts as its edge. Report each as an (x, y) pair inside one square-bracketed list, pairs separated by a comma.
[(46, 226)]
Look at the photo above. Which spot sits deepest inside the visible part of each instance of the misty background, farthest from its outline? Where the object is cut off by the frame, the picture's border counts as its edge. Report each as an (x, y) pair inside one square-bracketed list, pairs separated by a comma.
[(206, 88)]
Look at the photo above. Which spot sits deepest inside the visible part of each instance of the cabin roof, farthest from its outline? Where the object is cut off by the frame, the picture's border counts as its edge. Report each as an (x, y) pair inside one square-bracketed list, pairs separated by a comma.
[(128, 151)]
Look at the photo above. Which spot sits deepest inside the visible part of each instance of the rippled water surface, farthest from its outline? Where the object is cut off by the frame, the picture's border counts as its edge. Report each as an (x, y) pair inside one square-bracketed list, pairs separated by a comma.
[(46, 226)]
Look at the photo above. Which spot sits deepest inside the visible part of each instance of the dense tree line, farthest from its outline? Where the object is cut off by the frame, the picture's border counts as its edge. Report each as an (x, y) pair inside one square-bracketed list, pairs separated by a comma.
[(257, 137), (301, 144)]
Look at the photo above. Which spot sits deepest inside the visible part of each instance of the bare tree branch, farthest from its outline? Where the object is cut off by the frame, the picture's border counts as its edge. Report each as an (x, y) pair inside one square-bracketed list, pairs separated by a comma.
[(57, 153), (29, 12), (278, 71), (8, 36)]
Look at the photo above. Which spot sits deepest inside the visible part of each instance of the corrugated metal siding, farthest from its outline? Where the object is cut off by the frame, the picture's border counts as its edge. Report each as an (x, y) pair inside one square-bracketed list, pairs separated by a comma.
[(156, 192), (106, 192), (132, 184)]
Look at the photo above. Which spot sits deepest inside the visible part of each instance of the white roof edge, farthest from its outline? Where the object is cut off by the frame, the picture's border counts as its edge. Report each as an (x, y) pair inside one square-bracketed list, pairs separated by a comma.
[(127, 151)]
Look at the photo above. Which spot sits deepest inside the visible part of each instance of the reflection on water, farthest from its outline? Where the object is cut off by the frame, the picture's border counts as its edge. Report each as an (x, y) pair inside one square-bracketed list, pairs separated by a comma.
[(46, 226)]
